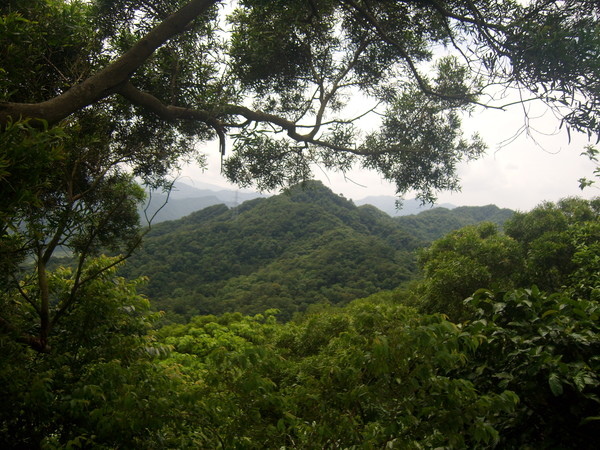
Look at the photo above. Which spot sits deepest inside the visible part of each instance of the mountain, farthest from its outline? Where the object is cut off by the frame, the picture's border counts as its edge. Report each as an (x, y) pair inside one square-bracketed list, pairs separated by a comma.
[(389, 205), (184, 199), (432, 224), (305, 246)]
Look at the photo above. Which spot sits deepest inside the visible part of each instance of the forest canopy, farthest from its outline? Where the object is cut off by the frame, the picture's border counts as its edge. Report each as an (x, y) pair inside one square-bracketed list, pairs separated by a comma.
[(98, 95), (518, 369)]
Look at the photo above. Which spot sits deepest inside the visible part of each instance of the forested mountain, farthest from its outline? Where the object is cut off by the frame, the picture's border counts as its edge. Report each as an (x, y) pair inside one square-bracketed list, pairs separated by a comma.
[(435, 223), (305, 246)]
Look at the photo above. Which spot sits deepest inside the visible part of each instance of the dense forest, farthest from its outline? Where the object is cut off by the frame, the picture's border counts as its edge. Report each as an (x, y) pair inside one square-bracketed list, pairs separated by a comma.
[(495, 344), (304, 247), (299, 321)]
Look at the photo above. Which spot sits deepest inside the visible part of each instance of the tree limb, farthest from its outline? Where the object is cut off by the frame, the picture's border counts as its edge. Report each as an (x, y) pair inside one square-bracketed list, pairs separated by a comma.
[(109, 79)]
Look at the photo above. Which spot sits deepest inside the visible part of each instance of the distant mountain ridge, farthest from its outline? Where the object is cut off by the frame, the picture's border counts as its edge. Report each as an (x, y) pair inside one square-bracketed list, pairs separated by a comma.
[(185, 199), (289, 251), (432, 224), (388, 204)]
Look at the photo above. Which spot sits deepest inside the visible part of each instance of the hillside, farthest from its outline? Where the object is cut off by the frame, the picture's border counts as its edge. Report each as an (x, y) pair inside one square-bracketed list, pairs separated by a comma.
[(305, 246), (432, 224)]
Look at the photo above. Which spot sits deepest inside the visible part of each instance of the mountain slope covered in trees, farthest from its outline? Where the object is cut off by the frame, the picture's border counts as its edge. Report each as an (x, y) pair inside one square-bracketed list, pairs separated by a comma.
[(432, 224), (306, 246)]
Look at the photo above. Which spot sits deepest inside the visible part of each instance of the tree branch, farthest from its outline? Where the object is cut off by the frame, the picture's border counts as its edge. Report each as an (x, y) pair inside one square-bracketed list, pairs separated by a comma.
[(423, 85), (107, 80)]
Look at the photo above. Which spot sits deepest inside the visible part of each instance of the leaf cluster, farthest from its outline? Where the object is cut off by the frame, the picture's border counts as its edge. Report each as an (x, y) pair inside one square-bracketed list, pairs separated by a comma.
[(539, 248), (544, 348), (372, 374), (97, 386)]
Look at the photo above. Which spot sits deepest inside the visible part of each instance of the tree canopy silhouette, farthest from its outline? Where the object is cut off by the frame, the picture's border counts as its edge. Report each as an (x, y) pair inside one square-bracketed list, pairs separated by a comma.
[(277, 76)]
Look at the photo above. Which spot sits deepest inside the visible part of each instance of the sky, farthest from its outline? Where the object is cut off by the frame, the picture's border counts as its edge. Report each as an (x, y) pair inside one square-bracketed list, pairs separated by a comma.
[(541, 165)]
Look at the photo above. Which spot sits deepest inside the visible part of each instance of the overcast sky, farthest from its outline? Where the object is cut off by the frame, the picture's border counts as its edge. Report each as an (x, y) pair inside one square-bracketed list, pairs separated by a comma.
[(537, 166), (518, 175)]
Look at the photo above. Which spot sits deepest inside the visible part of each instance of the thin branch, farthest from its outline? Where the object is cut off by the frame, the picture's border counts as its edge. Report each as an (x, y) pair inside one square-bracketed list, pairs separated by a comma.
[(325, 99), (149, 220), (25, 296), (423, 85), (79, 281), (346, 121), (479, 21)]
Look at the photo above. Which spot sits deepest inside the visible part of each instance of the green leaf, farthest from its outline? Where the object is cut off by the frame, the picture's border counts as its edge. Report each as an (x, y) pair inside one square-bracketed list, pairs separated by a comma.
[(555, 384), (590, 419), (549, 312)]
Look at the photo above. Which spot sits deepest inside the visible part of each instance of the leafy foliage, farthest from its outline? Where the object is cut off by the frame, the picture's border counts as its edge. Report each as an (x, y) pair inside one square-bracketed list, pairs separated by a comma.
[(542, 346), (73, 199), (547, 235), (99, 385), (539, 248), (278, 77), (373, 372), (545, 349), (462, 262), (521, 371), (95, 93), (47, 46), (435, 223)]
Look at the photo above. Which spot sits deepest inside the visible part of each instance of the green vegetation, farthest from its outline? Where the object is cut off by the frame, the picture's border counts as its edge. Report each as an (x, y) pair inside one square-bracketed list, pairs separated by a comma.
[(430, 225), (98, 94), (97, 385), (304, 247), (517, 368), (299, 248), (372, 374), (540, 248)]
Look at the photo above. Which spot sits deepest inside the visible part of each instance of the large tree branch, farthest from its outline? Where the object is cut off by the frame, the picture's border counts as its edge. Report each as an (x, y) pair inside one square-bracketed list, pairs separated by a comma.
[(169, 112), (107, 80), (165, 112)]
